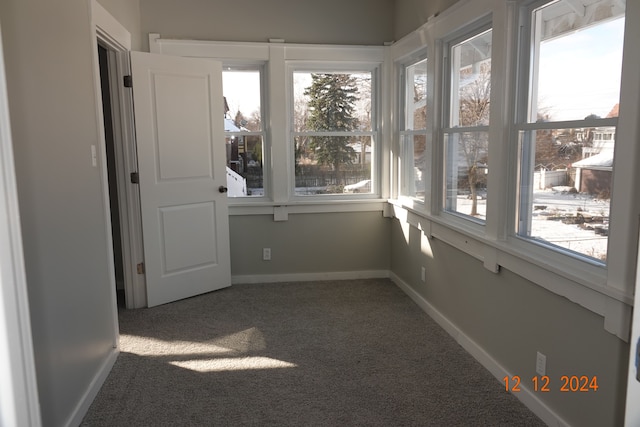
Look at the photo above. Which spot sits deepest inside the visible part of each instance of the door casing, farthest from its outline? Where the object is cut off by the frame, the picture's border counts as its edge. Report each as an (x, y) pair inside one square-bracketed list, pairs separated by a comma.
[(117, 40)]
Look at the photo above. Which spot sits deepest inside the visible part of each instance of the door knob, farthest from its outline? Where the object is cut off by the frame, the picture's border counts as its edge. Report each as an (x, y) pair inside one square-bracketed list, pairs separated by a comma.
[(223, 189)]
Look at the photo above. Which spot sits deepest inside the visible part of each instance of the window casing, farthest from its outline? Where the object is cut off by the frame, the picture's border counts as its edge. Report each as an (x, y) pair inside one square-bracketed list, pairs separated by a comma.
[(413, 130), (334, 130), (566, 127), (465, 130), (245, 135)]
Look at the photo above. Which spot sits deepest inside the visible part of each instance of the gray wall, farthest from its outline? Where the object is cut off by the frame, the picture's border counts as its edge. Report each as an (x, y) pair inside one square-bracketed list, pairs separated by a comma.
[(48, 52), (127, 13), (512, 318), (310, 243), (327, 21), (411, 14)]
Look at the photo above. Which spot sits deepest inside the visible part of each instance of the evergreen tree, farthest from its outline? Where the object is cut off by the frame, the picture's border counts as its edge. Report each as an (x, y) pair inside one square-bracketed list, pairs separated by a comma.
[(332, 104)]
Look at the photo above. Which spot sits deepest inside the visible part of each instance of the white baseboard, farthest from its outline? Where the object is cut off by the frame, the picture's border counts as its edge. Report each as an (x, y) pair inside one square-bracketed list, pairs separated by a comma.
[(526, 396), (92, 391), (308, 277)]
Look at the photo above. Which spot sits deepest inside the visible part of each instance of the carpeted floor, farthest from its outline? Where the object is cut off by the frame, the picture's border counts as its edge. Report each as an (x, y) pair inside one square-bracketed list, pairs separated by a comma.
[(339, 353)]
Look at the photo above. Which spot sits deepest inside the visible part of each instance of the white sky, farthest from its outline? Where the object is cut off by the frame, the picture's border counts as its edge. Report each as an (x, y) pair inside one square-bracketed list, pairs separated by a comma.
[(580, 73), (242, 90)]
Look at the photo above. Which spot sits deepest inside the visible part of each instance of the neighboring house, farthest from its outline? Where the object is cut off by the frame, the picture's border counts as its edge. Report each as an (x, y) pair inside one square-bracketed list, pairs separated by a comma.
[(235, 147), (360, 150), (593, 174)]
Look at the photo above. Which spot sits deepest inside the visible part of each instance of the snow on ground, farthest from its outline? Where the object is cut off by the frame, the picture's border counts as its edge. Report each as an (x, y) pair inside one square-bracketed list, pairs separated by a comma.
[(559, 201)]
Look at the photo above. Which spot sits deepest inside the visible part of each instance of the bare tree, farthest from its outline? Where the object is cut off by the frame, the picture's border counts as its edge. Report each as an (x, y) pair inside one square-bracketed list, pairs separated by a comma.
[(474, 103)]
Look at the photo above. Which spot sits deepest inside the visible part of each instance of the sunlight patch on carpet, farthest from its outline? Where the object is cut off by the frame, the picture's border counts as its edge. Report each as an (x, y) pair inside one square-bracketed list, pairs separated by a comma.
[(233, 364), (146, 346)]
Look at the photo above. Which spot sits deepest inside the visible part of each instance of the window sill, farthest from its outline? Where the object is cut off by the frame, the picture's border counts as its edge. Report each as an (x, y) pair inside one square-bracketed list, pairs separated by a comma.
[(577, 280), (281, 211)]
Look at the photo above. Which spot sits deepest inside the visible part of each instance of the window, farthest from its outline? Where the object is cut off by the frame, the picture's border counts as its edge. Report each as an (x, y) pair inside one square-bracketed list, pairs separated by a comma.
[(334, 131), (244, 131), (466, 127), (413, 137), (567, 125)]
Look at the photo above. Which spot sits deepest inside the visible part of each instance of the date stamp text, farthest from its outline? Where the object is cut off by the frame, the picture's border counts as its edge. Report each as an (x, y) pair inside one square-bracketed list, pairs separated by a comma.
[(544, 384)]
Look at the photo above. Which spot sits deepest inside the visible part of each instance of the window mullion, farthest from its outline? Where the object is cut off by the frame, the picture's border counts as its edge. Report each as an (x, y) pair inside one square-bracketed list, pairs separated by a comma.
[(280, 154)]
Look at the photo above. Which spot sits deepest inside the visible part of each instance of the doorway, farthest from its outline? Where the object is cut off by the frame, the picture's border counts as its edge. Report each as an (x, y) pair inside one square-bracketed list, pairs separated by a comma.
[(112, 174), (121, 194)]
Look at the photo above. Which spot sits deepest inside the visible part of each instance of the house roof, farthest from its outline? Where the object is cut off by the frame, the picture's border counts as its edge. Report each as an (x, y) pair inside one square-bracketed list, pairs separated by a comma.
[(229, 126), (570, 15), (602, 160), (614, 111)]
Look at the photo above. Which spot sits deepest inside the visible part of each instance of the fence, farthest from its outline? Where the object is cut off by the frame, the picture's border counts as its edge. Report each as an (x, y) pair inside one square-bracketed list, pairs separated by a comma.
[(317, 176), (544, 178)]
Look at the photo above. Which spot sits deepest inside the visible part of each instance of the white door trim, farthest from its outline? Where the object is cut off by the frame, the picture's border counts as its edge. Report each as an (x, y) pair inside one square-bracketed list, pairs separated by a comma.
[(19, 404), (111, 34), (99, 160), (109, 29)]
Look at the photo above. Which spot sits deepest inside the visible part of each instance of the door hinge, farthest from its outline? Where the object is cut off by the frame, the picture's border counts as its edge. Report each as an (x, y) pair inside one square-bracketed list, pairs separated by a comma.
[(140, 268), (128, 81), (135, 178)]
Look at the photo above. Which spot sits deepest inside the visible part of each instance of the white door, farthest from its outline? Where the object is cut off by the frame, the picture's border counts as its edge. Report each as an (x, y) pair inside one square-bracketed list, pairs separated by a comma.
[(178, 109)]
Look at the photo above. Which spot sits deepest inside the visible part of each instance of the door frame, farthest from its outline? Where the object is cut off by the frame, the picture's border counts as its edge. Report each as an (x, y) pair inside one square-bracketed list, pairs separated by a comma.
[(110, 34)]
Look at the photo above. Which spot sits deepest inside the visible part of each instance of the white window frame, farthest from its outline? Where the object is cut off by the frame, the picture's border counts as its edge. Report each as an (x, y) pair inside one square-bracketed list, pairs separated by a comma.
[(279, 177), (403, 133), (590, 272), (525, 124), (338, 67), (473, 29), (260, 67)]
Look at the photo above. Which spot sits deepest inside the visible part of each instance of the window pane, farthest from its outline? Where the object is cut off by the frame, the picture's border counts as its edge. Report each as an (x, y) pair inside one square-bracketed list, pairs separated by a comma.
[(566, 173), (578, 63), (332, 102), (466, 172), (244, 165), (333, 165), (413, 165), (565, 188), (416, 96), (241, 89), (331, 111), (244, 139), (471, 81)]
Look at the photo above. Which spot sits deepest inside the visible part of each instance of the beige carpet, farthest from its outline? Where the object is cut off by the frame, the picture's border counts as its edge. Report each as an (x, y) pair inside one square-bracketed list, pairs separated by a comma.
[(340, 353)]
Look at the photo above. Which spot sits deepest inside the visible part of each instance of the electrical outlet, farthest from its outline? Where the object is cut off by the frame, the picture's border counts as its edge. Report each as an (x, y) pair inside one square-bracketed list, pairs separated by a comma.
[(541, 364), (266, 254), (423, 274)]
